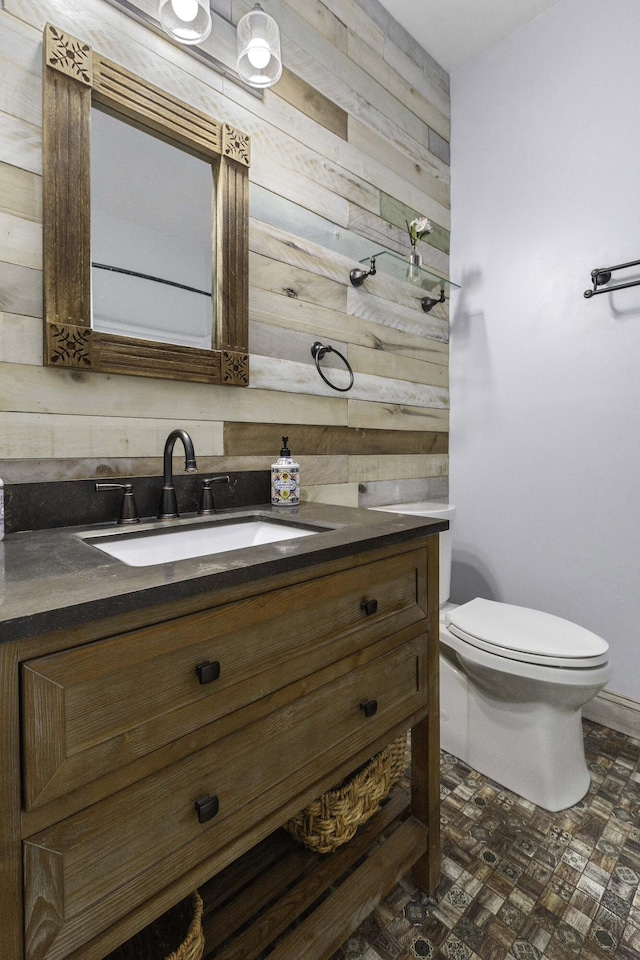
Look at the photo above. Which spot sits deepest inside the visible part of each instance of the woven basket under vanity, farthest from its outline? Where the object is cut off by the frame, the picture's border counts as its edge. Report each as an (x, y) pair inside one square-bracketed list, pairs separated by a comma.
[(333, 818), (176, 935)]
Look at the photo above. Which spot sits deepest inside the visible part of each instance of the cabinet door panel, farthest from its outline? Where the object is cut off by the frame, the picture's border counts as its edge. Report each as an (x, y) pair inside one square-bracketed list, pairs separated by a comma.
[(91, 869), (93, 709)]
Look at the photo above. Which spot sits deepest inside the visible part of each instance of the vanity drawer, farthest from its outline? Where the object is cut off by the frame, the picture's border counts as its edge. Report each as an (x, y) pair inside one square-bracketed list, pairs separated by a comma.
[(94, 709), (91, 869)]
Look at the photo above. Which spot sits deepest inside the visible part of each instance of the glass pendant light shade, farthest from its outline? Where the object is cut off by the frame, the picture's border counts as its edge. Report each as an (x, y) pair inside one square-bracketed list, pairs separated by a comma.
[(188, 21), (259, 60)]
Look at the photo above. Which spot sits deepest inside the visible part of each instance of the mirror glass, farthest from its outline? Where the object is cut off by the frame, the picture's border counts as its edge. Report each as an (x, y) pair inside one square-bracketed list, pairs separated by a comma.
[(151, 236)]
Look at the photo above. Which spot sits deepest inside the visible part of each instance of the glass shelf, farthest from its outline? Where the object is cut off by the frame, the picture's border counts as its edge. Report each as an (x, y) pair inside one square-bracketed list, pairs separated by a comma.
[(401, 269), (432, 288)]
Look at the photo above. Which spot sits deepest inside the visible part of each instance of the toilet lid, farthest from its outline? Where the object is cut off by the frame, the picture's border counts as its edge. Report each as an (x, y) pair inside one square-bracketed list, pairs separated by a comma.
[(524, 634)]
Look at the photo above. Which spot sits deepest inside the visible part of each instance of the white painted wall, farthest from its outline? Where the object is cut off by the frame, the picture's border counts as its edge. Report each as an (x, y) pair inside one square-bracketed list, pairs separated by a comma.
[(545, 450)]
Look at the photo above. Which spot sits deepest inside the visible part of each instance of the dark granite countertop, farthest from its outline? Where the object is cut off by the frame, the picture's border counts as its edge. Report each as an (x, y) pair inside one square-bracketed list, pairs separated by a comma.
[(51, 579)]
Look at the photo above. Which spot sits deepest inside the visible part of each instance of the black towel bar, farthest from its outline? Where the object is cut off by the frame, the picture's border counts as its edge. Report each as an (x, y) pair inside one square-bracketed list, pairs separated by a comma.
[(602, 275)]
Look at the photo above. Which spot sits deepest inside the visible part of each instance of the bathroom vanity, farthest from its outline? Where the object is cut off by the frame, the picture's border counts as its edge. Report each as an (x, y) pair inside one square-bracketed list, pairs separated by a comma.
[(159, 722)]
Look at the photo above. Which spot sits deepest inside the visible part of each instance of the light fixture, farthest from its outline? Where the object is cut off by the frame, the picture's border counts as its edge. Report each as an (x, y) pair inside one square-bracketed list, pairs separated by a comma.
[(259, 60), (188, 21)]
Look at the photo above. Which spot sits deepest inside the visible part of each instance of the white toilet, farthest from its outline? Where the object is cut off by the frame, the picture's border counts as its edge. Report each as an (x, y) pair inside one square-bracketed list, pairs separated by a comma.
[(512, 685)]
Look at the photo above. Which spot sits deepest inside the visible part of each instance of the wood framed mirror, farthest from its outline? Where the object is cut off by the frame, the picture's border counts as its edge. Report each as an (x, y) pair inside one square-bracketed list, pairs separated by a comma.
[(76, 80)]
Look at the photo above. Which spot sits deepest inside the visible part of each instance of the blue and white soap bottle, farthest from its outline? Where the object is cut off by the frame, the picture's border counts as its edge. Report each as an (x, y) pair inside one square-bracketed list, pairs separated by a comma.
[(285, 479)]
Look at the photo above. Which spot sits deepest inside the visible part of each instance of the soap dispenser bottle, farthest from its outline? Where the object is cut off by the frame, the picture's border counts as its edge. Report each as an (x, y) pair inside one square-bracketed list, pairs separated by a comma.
[(285, 479)]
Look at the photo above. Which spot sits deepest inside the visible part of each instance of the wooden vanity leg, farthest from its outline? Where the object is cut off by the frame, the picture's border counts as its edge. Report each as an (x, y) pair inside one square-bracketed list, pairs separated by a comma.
[(11, 947), (425, 806), (425, 741)]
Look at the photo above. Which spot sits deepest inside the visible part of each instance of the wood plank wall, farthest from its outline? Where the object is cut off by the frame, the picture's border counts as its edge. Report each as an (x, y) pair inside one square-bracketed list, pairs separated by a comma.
[(350, 143)]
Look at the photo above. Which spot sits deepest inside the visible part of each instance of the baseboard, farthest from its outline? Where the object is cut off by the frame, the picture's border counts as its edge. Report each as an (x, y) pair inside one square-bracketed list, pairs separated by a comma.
[(614, 711)]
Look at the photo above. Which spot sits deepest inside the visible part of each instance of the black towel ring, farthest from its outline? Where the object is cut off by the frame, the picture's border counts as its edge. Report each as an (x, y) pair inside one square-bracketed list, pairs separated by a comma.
[(318, 351)]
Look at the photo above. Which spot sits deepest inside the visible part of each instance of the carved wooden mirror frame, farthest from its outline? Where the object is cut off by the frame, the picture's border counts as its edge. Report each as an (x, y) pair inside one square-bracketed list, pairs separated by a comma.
[(74, 77)]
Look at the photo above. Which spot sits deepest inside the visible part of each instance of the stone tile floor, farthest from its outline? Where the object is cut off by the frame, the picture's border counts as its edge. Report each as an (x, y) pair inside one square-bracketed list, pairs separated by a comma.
[(519, 883)]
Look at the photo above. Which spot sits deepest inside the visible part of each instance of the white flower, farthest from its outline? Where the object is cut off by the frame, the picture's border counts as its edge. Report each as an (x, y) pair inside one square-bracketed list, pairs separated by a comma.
[(419, 228)]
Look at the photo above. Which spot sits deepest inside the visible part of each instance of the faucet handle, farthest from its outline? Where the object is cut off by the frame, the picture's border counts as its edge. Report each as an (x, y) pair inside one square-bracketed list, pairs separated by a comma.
[(128, 509), (206, 497)]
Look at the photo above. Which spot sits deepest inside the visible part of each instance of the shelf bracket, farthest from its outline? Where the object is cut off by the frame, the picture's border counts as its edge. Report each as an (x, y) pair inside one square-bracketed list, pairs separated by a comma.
[(428, 303), (358, 276)]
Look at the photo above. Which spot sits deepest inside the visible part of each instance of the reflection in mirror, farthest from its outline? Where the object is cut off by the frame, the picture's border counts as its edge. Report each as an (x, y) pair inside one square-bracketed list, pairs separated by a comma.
[(151, 236)]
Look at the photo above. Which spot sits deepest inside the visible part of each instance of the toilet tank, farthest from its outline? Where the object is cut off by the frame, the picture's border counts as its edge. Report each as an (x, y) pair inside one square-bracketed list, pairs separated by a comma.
[(439, 511)]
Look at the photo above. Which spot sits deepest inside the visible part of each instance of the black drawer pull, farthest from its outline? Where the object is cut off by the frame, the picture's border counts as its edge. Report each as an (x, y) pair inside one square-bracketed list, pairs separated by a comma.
[(369, 606), (369, 707), (206, 808), (208, 671)]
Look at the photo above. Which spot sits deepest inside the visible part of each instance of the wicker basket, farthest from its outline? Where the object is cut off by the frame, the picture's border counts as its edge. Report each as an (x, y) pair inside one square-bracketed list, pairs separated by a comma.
[(333, 818), (176, 935)]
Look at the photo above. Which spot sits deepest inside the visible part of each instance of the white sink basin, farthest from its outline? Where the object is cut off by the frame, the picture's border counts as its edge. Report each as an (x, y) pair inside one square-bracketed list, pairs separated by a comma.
[(144, 549)]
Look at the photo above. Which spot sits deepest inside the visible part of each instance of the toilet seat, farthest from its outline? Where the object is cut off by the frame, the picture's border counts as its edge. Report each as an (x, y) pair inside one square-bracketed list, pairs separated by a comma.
[(525, 635)]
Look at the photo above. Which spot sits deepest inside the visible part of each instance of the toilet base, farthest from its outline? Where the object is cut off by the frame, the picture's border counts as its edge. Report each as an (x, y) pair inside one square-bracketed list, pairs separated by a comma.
[(538, 753), (532, 748)]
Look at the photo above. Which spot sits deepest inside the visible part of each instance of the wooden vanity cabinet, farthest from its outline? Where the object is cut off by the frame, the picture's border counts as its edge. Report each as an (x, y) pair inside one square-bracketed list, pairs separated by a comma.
[(153, 757)]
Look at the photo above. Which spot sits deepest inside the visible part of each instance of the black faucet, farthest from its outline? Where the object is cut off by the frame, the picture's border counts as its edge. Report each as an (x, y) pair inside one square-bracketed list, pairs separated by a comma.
[(168, 501)]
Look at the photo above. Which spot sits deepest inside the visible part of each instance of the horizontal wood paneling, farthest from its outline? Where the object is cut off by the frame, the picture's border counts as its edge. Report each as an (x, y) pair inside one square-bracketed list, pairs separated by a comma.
[(404, 471), (295, 283), (340, 77), (351, 14), (329, 24), (20, 290), (314, 321), (364, 469), (342, 494), (332, 441), (268, 373), (396, 416), (398, 366), (296, 251), (46, 390), (374, 494), (20, 192), (403, 313), (302, 190), (20, 241), (20, 339), (378, 68), (21, 145), (42, 436), (417, 68), (384, 165), (310, 101), (353, 137), (20, 71)]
